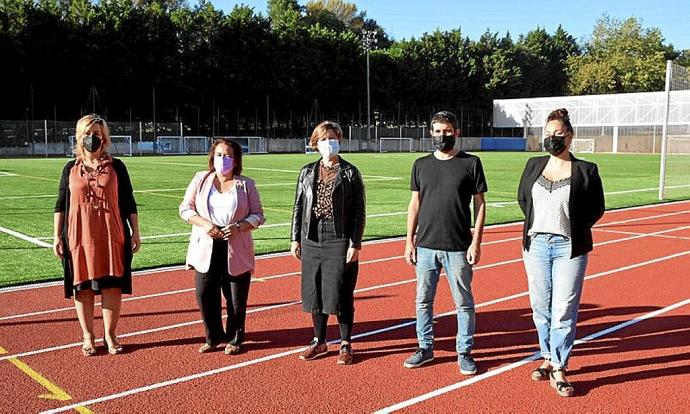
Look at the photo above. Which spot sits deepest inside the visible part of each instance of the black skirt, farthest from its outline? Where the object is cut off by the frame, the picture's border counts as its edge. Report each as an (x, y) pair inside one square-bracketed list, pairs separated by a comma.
[(328, 282)]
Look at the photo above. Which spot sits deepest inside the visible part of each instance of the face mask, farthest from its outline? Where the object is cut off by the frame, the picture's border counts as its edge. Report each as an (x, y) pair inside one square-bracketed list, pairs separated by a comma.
[(443, 143), (554, 145), (91, 143), (223, 165), (328, 148)]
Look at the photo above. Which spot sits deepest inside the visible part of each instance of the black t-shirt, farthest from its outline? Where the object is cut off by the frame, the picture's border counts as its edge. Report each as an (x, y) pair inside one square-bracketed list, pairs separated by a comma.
[(445, 190)]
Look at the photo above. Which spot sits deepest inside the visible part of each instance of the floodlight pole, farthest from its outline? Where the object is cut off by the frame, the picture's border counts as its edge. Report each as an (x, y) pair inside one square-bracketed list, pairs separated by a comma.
[(368, 42)]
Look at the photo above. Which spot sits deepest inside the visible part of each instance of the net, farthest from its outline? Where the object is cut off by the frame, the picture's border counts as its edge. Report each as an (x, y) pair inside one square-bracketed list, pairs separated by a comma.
[(197, 145), (170, 144), (395, 144), (585, 146), (121, 145), (674, 176)]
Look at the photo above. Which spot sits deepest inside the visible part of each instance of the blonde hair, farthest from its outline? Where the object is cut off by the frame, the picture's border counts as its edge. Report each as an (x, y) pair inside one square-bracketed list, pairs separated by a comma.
[(83, 124), (321, 129)]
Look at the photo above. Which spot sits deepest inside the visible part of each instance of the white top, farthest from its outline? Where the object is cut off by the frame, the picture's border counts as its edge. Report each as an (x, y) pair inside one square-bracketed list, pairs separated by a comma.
[(550, 205), (222, 206)]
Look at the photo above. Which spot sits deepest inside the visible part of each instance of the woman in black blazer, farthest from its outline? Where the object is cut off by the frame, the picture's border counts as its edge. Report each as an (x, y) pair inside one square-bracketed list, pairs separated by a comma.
[(562, 197)]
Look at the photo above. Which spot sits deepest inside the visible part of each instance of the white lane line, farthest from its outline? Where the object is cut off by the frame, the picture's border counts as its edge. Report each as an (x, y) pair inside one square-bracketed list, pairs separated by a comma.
[(281, 275), (7, 174), (526, 360), (375, 332), (638, 234), (25, 237)]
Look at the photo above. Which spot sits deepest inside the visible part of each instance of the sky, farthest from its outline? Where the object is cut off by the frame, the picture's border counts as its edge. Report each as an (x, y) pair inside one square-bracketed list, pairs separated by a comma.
[(410, 18)]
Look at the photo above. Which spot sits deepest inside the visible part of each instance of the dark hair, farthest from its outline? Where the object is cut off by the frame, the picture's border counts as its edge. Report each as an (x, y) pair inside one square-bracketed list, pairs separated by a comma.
[(321, 129), (236, 154), (444, 117), (561, 114)]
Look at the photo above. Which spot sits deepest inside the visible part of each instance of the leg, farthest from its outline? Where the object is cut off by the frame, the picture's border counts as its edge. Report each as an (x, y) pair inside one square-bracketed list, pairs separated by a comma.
[(318, 346), (320, 321), (111, 302), (538, 267), (237, 307), (459, 275), (83, 303), (209, 301), (347, 301), (428, 270), (568, 277)]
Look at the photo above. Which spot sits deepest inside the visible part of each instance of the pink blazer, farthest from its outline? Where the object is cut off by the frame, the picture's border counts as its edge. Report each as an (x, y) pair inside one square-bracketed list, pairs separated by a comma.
[(241, 245)]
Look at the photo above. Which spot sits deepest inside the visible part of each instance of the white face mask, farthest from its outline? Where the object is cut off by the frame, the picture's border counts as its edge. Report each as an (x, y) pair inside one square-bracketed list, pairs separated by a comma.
[(328, 148)]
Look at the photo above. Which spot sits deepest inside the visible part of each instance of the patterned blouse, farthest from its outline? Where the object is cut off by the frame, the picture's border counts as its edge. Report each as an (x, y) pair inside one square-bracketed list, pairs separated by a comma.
[(323, 208), (551, 207)]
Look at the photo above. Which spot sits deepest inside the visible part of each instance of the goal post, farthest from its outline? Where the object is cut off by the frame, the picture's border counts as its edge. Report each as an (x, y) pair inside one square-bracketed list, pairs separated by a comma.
[(119, 145), (674, 168), (170, 144), (583, 146), (396, 144), (250, 145), (197, 145)]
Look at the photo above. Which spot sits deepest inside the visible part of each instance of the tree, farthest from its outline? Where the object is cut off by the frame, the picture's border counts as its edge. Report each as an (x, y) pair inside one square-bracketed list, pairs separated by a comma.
[(284, 15), (621, 56)]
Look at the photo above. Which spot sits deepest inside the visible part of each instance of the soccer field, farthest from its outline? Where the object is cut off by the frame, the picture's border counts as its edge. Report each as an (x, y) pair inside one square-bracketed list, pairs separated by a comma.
[(28, 189)]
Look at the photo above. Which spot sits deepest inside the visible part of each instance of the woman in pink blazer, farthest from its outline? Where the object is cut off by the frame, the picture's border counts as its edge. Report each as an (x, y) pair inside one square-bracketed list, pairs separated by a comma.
[(223, 208)]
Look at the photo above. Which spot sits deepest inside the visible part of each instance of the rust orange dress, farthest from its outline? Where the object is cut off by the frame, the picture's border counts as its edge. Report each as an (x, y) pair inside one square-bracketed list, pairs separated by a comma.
[(95, 233)]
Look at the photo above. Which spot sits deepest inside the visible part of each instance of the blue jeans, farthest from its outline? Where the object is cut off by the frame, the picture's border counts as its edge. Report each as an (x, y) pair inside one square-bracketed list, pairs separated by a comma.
[(459, 275), (555, 286)]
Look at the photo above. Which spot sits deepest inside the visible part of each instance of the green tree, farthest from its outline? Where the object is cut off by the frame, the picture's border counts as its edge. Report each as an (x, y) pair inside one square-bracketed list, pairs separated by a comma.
[(621, 56)]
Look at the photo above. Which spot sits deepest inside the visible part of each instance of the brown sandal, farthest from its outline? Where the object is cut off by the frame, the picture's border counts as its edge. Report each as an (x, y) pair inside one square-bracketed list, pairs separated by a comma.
[(115, 348), (541, 373), (89, 349), (563, 388), (232, 349), (206, 348)]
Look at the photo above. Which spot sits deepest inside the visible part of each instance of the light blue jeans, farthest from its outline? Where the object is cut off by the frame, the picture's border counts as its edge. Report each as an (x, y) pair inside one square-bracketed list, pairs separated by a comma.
[(459, 275), (555, 286)]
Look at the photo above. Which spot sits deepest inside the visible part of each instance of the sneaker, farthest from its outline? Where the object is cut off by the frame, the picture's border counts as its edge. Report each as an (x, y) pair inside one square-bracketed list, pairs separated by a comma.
[(345, 357), (314, 350), (420, 357), (467, 365)]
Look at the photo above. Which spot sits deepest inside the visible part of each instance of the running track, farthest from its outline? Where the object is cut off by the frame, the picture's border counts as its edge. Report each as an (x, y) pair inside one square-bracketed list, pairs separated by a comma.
[(633, 352)]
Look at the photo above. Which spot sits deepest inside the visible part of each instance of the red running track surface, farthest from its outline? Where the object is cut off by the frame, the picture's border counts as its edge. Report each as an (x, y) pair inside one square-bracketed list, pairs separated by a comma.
[(639, 269)]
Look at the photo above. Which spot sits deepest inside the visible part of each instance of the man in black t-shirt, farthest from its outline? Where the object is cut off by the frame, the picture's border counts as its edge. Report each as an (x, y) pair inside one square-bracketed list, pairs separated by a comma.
[(439, 235)]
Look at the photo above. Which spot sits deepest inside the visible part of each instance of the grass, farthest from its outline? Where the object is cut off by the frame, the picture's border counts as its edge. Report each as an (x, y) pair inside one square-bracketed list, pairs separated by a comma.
[(27, 200)]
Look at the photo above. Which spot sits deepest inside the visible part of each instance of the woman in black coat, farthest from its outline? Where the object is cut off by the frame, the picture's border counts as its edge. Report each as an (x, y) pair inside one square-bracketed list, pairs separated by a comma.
[(327, 227), (562, 197)]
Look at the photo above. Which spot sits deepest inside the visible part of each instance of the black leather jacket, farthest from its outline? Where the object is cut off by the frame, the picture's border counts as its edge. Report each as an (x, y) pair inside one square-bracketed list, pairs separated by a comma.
[(348, 203)]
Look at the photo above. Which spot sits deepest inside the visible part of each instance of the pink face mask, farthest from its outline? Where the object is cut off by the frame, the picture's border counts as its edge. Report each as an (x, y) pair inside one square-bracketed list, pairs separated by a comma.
[(223, 165)]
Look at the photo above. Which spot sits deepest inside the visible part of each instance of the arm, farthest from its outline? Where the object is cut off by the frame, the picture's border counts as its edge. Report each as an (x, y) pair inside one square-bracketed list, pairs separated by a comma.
[(256, 213), (136, 237), (474, 252), (521, 197), (597, 197), (188, 212), (295, 231), (410, 238), (360, 217), (59, 216), (58, 248)]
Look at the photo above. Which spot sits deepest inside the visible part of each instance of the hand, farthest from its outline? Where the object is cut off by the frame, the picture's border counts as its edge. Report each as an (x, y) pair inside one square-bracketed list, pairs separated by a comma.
[(410, 253), (214, 231), (230, 230), (295, 250), (58, 250), (136, 242), (352, 255), (474, 253)]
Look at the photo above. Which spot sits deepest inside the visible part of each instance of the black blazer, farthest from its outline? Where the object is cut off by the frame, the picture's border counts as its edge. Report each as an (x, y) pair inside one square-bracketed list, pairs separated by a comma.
[(348, 203), (586, 204)]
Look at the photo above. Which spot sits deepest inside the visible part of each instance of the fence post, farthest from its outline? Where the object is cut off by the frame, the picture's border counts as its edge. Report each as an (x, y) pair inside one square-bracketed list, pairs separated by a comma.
[(45, 134)]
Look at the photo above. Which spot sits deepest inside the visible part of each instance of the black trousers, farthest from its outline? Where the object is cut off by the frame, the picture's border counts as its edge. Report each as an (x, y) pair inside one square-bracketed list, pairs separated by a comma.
[(235, 289)]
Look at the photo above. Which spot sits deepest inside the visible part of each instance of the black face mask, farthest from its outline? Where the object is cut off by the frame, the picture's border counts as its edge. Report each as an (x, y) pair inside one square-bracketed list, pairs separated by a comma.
[(554, 145), (92, 143), (443, 143)]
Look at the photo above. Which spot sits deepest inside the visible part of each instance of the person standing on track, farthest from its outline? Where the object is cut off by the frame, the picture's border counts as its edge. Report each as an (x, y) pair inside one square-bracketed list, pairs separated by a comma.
[(223, 208), (96, 231), (327, 228), (439, 235), (562, 197)]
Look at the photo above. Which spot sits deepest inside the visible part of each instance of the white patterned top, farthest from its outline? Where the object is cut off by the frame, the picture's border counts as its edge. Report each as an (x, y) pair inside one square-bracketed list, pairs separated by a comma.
[(550, 201)]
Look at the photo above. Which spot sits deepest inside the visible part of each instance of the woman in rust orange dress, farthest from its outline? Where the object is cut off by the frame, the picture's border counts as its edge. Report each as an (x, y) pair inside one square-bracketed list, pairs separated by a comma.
[(96, 231)]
